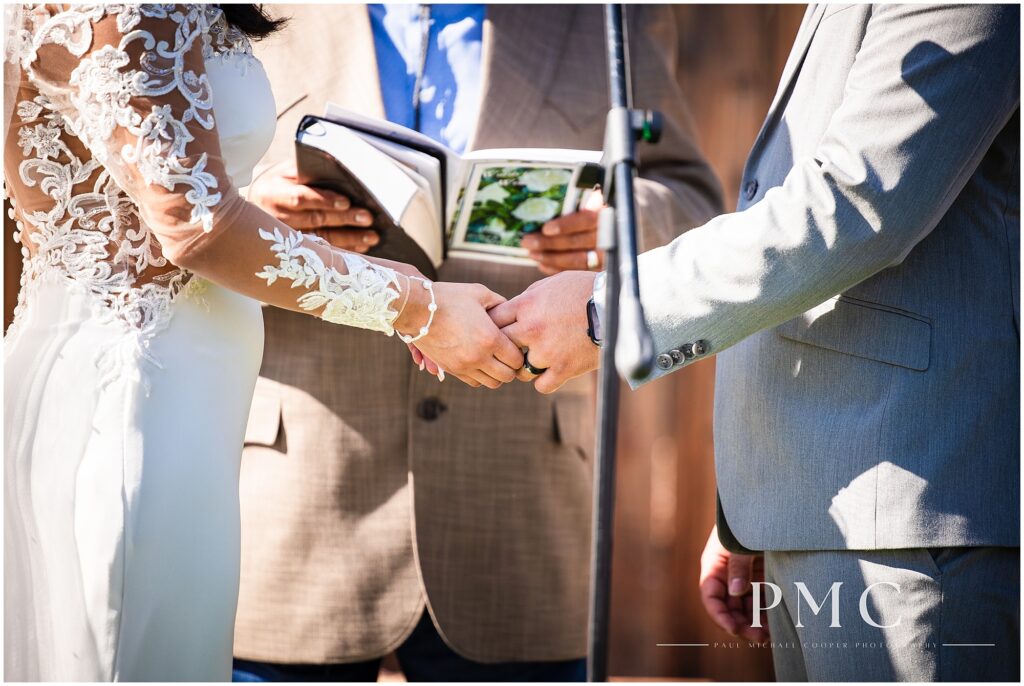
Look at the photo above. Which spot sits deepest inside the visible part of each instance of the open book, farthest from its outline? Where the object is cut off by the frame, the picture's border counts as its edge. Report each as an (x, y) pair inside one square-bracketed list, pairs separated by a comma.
[(427, 200)]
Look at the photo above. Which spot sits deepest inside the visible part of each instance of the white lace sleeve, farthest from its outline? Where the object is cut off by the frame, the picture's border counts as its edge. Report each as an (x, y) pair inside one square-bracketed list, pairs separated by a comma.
[(129, 83), (360, 297)]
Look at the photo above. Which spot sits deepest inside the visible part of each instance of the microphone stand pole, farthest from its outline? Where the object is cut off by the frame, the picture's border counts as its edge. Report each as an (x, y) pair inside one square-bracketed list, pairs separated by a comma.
[(628, 349)]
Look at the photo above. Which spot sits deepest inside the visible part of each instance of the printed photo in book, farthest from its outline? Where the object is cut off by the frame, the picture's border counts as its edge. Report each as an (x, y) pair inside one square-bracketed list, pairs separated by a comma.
[(502, 203)]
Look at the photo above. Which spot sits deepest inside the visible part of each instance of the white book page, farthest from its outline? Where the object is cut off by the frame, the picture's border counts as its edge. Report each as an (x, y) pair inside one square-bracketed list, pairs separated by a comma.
[(388, 181), (402, 135), (511, 156), (427, 168)]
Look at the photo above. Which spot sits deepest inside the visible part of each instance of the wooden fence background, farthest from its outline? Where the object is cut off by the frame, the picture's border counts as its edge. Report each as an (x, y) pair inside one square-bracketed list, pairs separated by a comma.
[(732, 56)]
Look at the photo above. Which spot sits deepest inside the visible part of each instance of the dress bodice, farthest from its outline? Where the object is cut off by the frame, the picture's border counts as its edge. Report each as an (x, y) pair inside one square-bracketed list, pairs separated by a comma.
[(76, 215), (134, 126)]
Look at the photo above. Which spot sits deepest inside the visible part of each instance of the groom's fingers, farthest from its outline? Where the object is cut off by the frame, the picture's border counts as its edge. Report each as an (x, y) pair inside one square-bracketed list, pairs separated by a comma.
[(504, 314), (514, 332), (550, 381), (741, 569), (499, 371), (712, 596), (468, 380), (488, 298)]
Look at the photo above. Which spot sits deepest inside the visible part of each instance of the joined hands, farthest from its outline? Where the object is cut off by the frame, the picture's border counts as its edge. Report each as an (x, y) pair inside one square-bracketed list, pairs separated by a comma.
[(547, 322), (476, 334)]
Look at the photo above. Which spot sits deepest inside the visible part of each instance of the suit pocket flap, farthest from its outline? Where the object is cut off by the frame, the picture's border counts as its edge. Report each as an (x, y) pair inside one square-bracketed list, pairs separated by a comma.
[(574, 422), (863, 329), (264, 419)]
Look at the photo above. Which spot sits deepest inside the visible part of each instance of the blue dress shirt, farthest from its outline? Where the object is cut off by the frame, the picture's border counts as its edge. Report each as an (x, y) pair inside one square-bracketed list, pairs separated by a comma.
[(450, 90)]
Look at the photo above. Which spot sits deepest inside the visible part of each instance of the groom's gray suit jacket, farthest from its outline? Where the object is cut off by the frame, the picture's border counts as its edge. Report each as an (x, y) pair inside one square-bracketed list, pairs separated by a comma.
[(865, 298)]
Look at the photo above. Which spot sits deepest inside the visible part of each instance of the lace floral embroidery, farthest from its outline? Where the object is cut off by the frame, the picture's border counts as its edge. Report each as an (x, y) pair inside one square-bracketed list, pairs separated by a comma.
[(92, 232), (360, 298), (106, 84), (75, 234)]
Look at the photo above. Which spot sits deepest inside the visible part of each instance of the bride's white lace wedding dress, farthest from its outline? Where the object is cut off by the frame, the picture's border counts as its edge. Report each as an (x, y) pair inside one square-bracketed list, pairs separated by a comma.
[(128, 376)]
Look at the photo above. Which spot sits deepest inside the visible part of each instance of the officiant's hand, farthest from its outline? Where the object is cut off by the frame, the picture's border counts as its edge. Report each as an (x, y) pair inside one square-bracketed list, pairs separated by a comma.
[(726, 591), (568, 242), (328, 214), (549, 321)]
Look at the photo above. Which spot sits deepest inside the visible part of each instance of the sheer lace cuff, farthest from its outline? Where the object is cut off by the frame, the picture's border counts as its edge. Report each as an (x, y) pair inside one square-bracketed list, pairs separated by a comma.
[(361, 297)]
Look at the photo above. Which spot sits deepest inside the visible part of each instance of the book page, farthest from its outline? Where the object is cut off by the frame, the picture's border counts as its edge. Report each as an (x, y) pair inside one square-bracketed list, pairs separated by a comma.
[(453, 163), (426, 167), (527, 155), (389, 182)]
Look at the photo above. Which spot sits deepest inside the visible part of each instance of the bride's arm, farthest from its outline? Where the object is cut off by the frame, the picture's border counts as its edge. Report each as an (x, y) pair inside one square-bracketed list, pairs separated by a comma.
[(133, 84)]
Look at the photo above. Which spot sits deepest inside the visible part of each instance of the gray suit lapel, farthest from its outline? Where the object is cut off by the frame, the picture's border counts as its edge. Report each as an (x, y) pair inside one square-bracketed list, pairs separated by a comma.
[(522, 47), (801, 44)]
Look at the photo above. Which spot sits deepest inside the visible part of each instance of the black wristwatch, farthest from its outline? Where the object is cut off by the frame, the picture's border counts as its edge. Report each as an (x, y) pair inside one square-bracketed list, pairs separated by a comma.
[(594, 323)]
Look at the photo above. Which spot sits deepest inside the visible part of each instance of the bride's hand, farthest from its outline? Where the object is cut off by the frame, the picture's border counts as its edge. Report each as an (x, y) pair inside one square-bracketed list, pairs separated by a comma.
[(424, 362), (462, 340)]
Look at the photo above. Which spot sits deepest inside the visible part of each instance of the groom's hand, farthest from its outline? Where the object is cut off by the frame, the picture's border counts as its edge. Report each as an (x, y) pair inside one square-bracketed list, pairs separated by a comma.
[(726, 591), (549, 321), (328, 214)]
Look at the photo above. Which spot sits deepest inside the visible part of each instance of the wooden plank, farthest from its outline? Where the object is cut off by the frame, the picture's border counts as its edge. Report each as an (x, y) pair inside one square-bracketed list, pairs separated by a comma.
[(731, 59)]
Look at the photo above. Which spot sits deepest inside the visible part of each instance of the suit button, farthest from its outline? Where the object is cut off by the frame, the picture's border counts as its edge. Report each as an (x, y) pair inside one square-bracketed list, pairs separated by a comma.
[(750, 190), (677, 356), (430, 409), (665, 361), (700, 348), (688, 350)]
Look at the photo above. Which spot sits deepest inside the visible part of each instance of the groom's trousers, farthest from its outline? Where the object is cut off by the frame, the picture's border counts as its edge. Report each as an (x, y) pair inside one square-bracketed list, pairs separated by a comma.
[(923, 614)]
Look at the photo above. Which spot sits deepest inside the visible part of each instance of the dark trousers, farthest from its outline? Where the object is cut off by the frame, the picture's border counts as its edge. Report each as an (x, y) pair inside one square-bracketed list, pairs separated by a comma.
[(423, 657)]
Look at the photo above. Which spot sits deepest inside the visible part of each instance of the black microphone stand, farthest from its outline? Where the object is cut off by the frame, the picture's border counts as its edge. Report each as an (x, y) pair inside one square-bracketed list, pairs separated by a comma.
[(628, 349)]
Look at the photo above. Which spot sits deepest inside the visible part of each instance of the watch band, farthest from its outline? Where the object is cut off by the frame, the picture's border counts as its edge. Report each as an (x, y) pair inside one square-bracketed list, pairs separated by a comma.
[(594, 323)]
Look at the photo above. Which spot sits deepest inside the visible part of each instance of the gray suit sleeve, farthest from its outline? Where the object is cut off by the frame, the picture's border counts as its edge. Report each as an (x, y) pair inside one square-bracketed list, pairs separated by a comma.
[(928, 92)]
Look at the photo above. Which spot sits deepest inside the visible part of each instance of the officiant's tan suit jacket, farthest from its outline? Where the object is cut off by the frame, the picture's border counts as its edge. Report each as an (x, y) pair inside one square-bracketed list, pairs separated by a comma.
[(368, 488)]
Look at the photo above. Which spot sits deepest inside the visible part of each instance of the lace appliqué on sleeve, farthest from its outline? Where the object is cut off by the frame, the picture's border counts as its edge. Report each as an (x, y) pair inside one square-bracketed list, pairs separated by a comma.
[(360, 298), (106, 82)]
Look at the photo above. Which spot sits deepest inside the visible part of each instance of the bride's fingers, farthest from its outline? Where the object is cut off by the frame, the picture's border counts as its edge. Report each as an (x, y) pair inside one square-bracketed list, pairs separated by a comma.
[(508, 353), (485, 379), (525, 374), (498, 370), (417, 356), (469, 381)]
